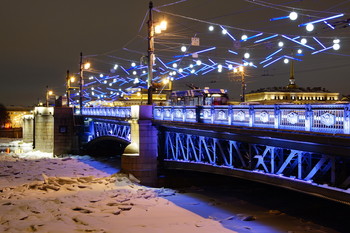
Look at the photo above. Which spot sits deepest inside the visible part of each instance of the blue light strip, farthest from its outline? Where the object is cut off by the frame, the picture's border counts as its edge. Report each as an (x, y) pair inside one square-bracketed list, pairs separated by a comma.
[(235, 63), (295, 41), (201, 51), (319, 42), (278, 18), (273, 61), (266, 60), (274, 53), (321, 20), (230, 51), (90, 83), (125, 70), (208, 71), (293, 58), (251, 37), (266, 38), (249, 64), (212, 61), (228, 33), (322, 50), (169, 63), (329, 25), (162, 62), (202, 69)]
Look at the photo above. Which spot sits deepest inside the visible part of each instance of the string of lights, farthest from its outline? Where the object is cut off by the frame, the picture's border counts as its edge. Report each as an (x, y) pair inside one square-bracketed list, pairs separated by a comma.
[(180, 56)]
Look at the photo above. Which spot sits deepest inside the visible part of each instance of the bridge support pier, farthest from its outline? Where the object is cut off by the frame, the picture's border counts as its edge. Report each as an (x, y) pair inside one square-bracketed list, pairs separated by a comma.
[(140, 156)]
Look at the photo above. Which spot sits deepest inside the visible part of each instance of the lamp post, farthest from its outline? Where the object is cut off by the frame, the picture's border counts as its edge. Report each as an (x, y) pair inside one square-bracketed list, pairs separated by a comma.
[(48, 93), (150, 54), (81, 80), (67, 88), (152, 29), (69, 81), (240, 70)]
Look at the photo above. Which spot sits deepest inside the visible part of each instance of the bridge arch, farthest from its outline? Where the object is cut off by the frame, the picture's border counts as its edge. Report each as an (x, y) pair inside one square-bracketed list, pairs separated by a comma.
[(106, 146)]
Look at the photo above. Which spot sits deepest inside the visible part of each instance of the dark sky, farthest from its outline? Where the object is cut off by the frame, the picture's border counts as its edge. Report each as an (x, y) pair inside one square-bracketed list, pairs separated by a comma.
[(41, 39)]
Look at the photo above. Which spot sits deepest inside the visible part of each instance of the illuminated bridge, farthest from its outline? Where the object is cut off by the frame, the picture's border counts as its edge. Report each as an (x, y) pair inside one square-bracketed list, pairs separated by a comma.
[(300, 147)]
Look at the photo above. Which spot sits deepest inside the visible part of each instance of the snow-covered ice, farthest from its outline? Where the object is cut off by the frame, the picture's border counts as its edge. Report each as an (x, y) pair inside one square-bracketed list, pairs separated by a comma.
[(43, 193)]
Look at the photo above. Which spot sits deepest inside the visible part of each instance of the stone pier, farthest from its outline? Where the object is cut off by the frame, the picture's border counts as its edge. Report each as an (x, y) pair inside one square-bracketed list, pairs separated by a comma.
[(140, 156)]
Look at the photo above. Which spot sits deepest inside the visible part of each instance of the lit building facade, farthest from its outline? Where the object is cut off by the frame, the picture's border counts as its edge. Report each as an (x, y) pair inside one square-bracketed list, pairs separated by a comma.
[(16, 115), (292, 94)]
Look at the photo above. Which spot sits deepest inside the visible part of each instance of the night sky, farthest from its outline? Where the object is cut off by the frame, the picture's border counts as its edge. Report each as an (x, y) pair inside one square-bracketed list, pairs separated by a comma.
[(40, 40)]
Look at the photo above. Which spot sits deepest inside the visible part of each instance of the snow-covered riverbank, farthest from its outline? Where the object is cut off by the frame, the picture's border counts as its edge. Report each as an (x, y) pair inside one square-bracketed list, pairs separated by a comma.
[(41, 193)]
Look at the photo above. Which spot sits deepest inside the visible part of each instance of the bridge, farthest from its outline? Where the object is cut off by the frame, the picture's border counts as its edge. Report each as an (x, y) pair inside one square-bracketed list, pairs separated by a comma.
[(299, 147)]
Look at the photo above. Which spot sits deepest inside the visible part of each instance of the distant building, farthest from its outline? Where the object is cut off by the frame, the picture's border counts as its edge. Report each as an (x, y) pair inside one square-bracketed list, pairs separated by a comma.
[(292, 94), (16, 114)]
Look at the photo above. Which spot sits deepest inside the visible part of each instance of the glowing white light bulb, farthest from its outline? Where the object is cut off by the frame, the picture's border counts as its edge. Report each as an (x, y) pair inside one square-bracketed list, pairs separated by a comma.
[(300, 51), (211, 28), (230, 66), (183, 49), (136, 80), (244, 37), (293, 15), (144, 72), (133, 64), (115, 66), (199, 62), (105, 82), (310, 27), (303, 41), (181, 70), (134, 72), (174, 65), (192, 71), (219, 66), (101, 75), (336, 41), (286, 60), (163, 25), (280, 44), (191, 65), (251, 64), (224, 31), (336, 46), (246, 55)]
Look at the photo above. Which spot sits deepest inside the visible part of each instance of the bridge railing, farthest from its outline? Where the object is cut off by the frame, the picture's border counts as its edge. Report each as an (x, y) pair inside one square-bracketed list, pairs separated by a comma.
[(333, 118), (122, 112)]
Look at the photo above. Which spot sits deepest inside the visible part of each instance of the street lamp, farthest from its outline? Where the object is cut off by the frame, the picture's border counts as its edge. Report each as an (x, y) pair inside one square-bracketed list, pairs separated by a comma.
[(69, 81), (240, 71), (152, 29), (83, 66), (48, 93)]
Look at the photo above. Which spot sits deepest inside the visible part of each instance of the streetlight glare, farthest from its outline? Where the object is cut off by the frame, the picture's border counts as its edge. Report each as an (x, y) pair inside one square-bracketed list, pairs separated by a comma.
[(72, 79), (50, 93), (157, 29), (87, 65), (163, 25)]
